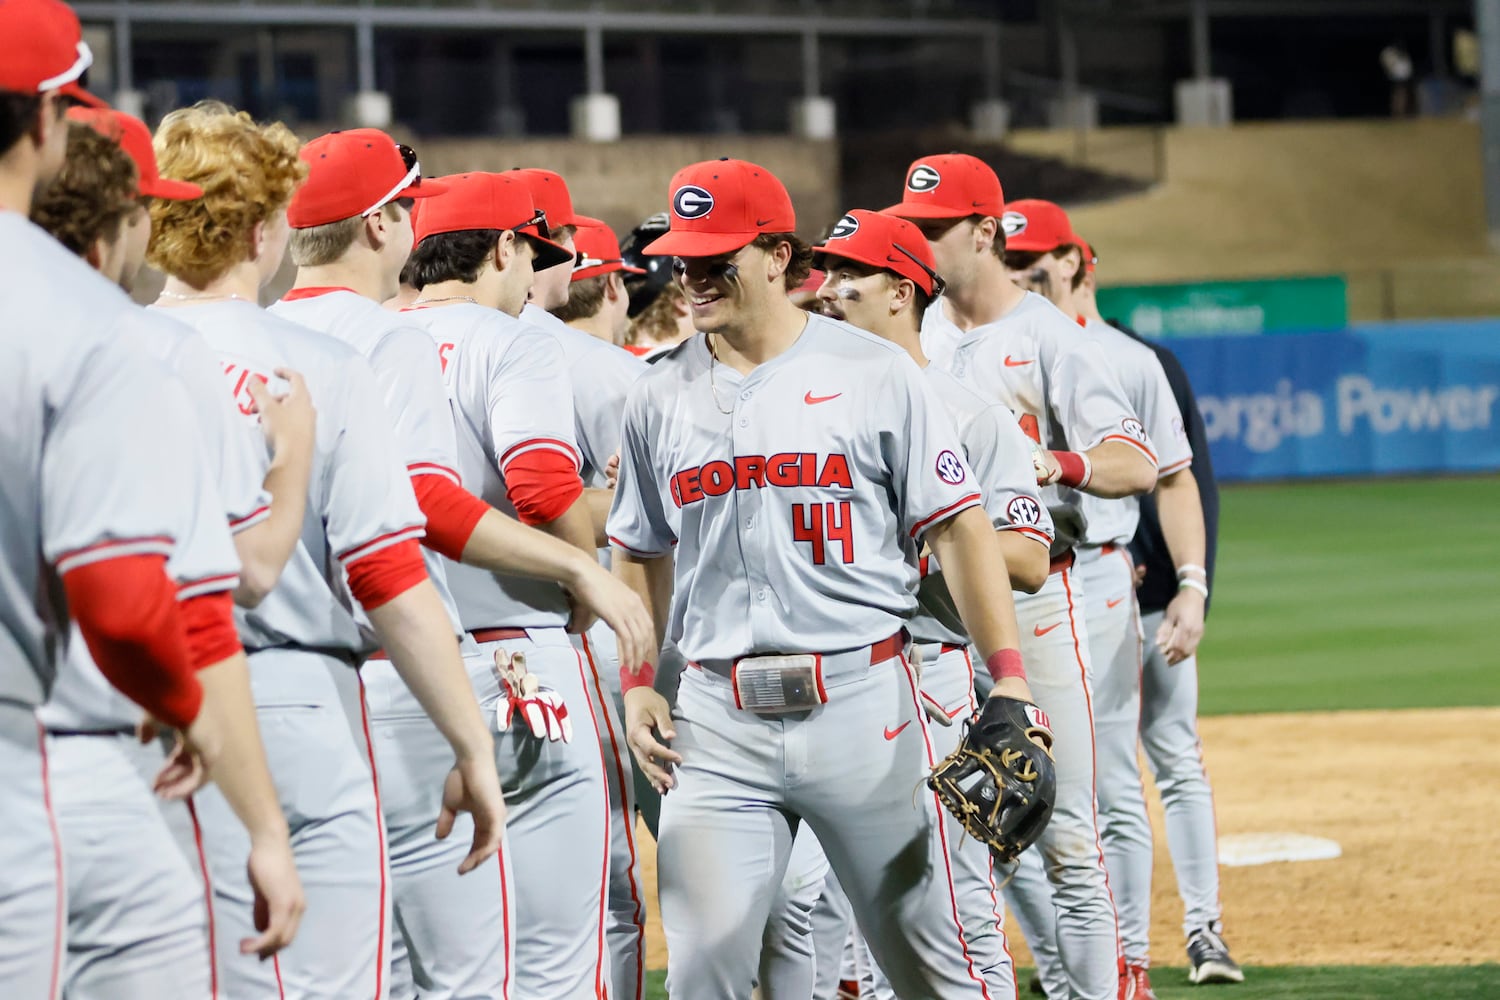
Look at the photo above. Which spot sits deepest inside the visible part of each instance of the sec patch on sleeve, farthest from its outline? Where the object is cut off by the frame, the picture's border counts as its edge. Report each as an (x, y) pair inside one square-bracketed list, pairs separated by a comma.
[(1023, 510), (949, 469), (1134, 428)]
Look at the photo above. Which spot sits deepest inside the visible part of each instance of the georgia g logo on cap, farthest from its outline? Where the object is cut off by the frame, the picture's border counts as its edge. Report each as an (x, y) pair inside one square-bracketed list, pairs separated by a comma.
[(692, 202), (844, 228), (923, 179), (1013, 223)]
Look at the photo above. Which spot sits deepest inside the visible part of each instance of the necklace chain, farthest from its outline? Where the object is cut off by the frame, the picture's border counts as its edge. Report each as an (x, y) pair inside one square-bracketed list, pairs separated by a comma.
[(445, 298), (713, 386), (203, 296)]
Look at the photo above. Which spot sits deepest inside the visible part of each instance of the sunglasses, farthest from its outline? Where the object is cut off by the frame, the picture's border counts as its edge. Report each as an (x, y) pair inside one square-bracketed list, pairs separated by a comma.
[(409, 158), (938, 284), (537, 222)]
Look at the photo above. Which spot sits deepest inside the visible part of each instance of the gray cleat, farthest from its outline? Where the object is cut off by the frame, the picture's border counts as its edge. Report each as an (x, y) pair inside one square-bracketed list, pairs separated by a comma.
[(1209, 961)]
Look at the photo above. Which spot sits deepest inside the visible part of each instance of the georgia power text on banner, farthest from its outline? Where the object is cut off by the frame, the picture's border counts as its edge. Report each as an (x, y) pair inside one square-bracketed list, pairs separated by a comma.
[(1399, 398)]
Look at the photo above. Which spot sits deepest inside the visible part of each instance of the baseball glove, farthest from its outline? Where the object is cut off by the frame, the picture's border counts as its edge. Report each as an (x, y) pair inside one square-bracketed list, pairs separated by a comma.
[(999, 783)]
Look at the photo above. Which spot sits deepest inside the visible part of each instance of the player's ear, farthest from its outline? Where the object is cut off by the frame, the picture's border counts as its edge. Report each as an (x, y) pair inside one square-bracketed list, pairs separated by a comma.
[(505, 250), (985, 231), (778, 260), (903, 290), (614, 286)]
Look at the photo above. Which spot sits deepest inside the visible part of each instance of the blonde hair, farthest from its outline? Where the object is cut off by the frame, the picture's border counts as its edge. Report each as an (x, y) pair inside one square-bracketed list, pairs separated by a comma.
[(248, 173)]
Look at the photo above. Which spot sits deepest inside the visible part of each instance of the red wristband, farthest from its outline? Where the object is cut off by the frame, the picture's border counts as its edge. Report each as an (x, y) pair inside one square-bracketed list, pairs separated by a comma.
[(1005, 663), (632, 679), (1074, 469)]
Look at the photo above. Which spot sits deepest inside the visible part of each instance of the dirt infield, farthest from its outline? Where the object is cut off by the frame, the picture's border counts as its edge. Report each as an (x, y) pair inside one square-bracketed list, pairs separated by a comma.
[(1410, 796)]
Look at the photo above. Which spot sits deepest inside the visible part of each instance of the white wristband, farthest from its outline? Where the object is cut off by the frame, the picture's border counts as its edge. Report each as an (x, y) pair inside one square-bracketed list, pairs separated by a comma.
[(1187, 568), (1192, 584)]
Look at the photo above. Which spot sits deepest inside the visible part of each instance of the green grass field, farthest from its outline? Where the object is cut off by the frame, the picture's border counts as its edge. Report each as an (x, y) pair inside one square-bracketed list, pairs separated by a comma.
[(1357, 594), (1348, 595)]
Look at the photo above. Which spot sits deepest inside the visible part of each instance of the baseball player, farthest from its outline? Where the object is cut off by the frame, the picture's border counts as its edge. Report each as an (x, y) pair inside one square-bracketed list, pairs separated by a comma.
[(476, 249), (601, 375), (659, 314), (1169, 686), (794, 465), (879, 276), (117, 843), (1042, 254), (358, 553), (1016, 348), (98, 482), (598, 303), (351, 236)]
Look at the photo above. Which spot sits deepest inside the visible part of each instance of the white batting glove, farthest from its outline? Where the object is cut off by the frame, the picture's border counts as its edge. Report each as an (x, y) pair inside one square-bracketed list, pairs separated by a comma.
[(540, 707)]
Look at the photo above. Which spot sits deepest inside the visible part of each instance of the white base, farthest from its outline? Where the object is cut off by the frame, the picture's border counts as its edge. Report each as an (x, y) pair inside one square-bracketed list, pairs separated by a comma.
[(814, 118), (369, 109), (596, 117), (1079, 111), (989, 119), (1245, 849), (1204, 102)]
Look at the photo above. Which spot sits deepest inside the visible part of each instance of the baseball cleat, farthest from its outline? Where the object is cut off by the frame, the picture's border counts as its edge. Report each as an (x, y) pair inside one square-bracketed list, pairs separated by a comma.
[(1209, 961), (1035, 986), (1138, 983)]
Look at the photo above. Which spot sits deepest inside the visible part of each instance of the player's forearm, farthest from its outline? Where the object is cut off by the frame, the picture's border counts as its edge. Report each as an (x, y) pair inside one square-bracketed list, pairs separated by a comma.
[(1119, 470), (239, 765), (502, 544), (599, 503), (265, 548), (1180, 510), (575, 526), (651, 580), (1026, 559), (969, 550), (418, 638)]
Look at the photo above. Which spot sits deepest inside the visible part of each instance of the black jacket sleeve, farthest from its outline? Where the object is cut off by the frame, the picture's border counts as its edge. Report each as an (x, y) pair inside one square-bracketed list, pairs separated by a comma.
[(1149, 547)]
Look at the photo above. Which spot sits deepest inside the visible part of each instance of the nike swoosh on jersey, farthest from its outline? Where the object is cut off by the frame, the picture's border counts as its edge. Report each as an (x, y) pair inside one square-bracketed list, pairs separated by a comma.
[(1011, 362), (1039, 631), (962, 707), (891, 734), (1115, 603), (812, 400)]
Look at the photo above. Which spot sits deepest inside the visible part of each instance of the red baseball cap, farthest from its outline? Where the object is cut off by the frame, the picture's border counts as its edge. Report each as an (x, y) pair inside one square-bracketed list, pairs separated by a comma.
[(135, 139), (550, 193), (598, 251), (480, 200), (1089, 260), (1035, 225), (354, 172), (44, 50), (884, 242), (719, 206), (950, 186)]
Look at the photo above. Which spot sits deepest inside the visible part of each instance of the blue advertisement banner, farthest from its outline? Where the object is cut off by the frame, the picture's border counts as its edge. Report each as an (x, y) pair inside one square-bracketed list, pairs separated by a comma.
[(1374, 400)]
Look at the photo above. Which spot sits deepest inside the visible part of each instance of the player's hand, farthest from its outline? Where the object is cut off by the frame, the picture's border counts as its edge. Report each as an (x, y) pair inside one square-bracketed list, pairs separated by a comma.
[(541, 708), (649, 730), (182, 774), (1181, 626), (279, 900), (288, 421), (473, 786), (1017, 688), (1046, 466), (612, 470), (1140, 575), (601, 594)]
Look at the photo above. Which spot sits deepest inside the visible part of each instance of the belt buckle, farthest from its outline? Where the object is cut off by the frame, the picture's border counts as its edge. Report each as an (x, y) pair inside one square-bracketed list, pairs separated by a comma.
[(779, 683)]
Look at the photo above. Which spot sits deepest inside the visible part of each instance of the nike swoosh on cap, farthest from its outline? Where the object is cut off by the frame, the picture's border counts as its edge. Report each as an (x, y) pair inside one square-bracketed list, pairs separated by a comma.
[(762, 222)]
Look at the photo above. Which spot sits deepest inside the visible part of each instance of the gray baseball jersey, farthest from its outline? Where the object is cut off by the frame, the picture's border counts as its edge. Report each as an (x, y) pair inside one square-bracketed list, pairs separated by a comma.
[(510, 396), (602, 375), (360, 499), (1146, 386), (223, 450), (409, 377), (88, 466), (1000, 455), (1062, 392), (796, 526)]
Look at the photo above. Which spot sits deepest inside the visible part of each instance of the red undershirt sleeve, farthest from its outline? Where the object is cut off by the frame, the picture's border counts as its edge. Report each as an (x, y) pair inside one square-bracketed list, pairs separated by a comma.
[(385, 574), (542, 484), (451, 512), (127, 610), (208, 623)]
